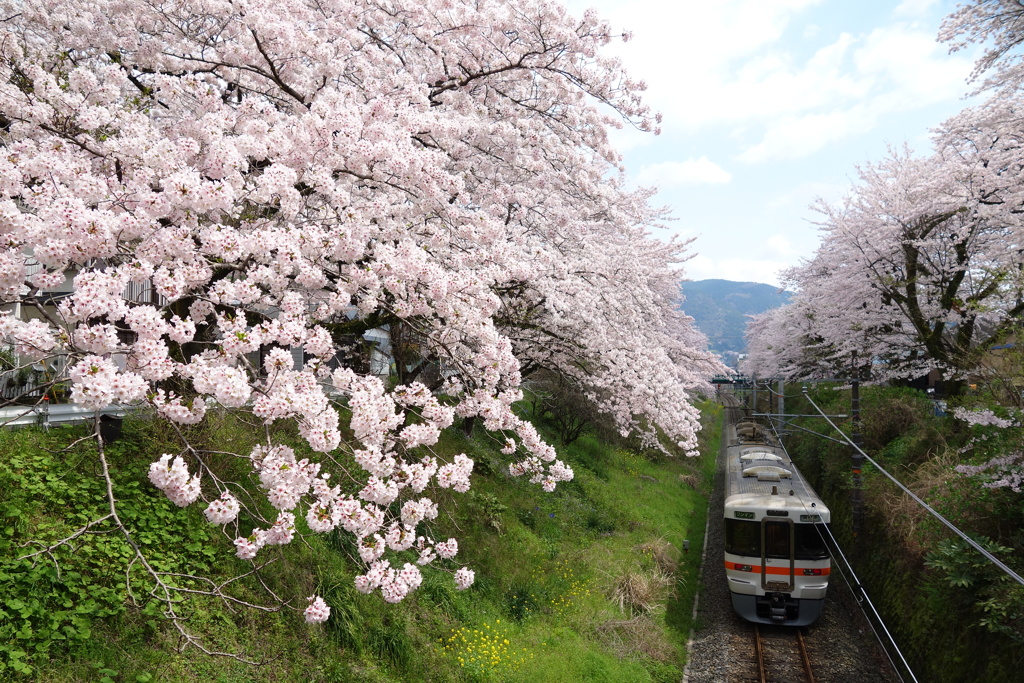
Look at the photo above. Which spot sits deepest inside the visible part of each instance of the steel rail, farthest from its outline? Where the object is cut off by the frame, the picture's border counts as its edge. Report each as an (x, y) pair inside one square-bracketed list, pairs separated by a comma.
[(802, 646), (759, 649)]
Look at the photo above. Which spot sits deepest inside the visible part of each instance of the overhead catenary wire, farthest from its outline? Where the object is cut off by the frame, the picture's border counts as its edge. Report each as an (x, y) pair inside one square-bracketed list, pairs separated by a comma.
[(864, 594), (974, 544), (765, 385), (811, 431), (859, 589), (777, 394)]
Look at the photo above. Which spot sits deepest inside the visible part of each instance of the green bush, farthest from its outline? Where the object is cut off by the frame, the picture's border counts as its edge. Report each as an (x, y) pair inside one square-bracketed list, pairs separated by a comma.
[(911, 565), (53, 590)]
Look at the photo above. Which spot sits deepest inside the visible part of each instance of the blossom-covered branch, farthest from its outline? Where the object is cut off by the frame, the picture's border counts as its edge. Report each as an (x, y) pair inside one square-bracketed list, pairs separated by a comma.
[(223, 196)]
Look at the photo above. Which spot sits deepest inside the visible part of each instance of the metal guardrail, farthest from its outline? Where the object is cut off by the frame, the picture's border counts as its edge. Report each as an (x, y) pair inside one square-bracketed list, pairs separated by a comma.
[(46, 414)]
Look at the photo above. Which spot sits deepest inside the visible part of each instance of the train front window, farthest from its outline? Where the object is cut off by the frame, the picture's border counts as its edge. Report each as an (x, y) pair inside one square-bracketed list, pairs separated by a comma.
[(810, 544), (776, 539), (742, 538)]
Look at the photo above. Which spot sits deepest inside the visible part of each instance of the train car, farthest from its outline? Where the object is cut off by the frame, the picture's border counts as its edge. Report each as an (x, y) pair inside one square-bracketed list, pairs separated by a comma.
[(776, 560)]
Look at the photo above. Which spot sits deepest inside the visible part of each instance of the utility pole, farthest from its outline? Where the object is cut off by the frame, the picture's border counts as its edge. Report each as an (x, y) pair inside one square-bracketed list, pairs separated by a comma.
[(782, 399), (857, 460)]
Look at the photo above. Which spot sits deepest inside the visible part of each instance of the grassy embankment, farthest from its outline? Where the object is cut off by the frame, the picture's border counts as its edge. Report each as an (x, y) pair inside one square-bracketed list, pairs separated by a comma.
[(587, 583)]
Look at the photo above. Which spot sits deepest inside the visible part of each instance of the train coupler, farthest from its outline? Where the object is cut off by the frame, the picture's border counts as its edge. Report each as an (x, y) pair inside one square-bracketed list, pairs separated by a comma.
[(778, 607)]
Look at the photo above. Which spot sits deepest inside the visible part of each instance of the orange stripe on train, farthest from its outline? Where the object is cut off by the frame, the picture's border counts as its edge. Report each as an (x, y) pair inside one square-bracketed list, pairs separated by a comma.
[(756, 569)]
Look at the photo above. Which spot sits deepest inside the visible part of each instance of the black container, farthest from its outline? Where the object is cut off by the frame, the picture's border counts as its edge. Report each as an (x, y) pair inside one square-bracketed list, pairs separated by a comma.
[(110, 428)]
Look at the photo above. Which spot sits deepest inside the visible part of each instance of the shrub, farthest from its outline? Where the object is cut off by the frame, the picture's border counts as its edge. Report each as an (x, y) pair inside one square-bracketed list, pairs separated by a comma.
[(642, 592)]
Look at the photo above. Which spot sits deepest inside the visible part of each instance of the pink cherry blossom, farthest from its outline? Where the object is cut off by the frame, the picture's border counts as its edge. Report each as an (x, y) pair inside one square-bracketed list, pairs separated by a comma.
[(243, 204), (222, 510), (318, 611), (448, 549), (464, 578), (172, 477)]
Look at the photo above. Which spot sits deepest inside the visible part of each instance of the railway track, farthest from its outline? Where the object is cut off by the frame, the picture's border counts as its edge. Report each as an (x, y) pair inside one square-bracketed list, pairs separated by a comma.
[(781, 655), (774, 654), (840, 647)]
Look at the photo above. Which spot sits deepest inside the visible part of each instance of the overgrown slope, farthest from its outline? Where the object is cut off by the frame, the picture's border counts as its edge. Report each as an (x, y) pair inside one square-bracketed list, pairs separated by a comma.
[(587, 583), (955, 616)]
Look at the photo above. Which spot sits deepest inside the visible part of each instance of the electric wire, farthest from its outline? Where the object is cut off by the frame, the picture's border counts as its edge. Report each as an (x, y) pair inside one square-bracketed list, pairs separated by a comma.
[(767, 387), (778, 394), (991, 558), (874, 611), (867, 618), (862, 591), (789, 425)]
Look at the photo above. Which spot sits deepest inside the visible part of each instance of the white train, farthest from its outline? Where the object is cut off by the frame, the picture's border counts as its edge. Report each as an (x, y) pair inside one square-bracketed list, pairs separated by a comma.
[(776, 560)]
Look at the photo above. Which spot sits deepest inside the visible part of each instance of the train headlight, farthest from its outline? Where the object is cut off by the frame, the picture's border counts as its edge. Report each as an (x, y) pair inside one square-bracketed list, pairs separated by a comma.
[(812, 572)]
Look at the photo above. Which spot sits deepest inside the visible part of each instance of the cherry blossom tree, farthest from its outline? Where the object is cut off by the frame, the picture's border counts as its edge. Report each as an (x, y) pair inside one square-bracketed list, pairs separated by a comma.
[(995, 445), (839, 311), (781, 342), (999, 24), (920, 267), (231, 191), (606, 319), (992, 413)]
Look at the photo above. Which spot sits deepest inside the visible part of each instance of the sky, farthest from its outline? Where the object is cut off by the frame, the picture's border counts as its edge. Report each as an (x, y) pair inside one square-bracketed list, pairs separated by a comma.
[(769, 105)]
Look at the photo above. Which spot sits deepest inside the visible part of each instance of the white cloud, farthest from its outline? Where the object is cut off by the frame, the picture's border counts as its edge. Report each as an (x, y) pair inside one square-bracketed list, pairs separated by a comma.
[(690, 172), (736, 269), (628, 138), (847, 89), (823, 85), (686, 50), (803, 195), (770, 68), (776, 85), (781, 245), (794, 137), (910, 63)]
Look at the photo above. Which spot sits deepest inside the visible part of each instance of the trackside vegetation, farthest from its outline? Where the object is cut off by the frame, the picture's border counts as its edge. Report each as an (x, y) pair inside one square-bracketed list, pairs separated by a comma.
[(955, 615), (587, 583)]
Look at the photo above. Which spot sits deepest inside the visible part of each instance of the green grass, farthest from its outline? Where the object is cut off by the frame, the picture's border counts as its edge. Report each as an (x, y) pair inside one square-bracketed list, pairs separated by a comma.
[(548, 568)]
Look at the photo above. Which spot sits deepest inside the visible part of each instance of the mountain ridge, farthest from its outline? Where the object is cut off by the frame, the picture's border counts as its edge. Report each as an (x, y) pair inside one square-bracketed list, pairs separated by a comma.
[(720, 309)]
